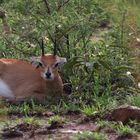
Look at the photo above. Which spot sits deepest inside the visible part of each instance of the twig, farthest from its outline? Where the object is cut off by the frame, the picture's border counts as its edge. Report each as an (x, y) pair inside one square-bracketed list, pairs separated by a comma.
[(62, 5), (68, 44), (6, 27), (47, 6), (122, 28), (56, 45)]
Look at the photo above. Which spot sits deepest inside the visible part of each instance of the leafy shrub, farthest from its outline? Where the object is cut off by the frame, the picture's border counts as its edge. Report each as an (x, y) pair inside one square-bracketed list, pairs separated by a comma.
[(94, 68)]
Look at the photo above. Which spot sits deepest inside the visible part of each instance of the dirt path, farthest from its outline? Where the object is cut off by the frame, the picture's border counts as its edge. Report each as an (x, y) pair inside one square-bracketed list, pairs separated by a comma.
[(74, 123)]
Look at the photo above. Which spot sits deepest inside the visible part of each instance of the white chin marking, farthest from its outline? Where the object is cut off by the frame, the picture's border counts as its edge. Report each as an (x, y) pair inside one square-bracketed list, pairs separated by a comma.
[(48, 79), (45, 78), (5, 91)]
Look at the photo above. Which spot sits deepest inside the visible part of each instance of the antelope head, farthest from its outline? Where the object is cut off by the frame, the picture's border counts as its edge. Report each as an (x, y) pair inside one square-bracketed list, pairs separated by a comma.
[(48, 63)]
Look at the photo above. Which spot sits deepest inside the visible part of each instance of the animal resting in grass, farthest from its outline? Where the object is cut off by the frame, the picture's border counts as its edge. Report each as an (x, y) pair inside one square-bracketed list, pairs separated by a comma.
[(40, 78)]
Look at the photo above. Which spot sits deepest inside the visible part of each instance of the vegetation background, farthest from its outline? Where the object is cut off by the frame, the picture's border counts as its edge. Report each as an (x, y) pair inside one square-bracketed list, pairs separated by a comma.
[(100, 39)]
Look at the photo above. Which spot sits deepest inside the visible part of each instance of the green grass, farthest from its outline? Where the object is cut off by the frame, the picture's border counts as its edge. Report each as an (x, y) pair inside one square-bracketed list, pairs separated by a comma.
[(89, 111), (33, 121), (124, 130), (97, 70), (134, 100), (135, 125), (100, 105), (131, 128), (26, 108), (87, 135), (23, 108), (4, 111), (103, 124), (56, 119)]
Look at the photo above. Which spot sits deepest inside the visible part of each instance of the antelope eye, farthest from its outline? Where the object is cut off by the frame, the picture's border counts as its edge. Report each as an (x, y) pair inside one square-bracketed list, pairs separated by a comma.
[(39, 65), (56, 65)]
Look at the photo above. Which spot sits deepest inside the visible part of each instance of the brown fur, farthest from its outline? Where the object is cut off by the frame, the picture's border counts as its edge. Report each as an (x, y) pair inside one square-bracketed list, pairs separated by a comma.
[(25, 81)]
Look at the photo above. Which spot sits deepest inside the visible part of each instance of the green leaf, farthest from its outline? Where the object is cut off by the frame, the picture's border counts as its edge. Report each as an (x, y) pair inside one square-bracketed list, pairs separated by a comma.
[(105, 64), (123, 67), (73, 62)]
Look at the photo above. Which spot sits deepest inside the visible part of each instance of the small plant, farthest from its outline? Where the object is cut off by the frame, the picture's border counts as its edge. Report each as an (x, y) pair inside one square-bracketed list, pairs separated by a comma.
[(38, 108), (135, 125), (89, 110), (134, 100), (64, 106), (70, 106), (23, 109), (28, 120), (87, 135), (57, 108), (55, 119), (26, 123), (102, 124), (31, 121), (3, 111), (105, 103), (124, 130), (7, 124), (12, 109)]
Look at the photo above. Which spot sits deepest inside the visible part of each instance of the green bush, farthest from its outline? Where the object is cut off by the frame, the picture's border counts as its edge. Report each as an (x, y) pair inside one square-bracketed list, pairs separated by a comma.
[(94, 68)]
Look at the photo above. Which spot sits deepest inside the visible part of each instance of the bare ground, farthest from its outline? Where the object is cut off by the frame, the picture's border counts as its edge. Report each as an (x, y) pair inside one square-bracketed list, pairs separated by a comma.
[(74, 123)]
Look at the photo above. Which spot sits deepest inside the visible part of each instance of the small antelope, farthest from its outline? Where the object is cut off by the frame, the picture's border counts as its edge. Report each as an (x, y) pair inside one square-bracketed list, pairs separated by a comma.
[(20, 80)]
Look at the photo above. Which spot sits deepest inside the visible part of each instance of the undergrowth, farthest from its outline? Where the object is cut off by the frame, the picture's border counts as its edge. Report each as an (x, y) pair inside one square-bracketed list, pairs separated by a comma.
[(100, 69)]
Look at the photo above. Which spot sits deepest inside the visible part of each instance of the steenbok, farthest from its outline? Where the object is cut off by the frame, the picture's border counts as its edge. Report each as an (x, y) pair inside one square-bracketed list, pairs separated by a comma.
[(40, 78)]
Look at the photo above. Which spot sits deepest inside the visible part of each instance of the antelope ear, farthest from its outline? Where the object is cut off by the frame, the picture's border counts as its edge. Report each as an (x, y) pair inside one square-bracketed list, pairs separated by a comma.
[(61, 61), (35, 61)]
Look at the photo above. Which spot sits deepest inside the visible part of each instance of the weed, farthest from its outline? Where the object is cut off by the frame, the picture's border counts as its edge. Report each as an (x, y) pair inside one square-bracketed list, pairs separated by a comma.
[(55, 119), (87, 135), (105, 103), (57, 108), (12, 109), (4, 111), (134, 100), (135, 125), (37, 108), (20, 109), (70, 106), (102, 124), (27, 108), (64, 106), (119, 128), (32, 121), (89, 111), (124, 130)]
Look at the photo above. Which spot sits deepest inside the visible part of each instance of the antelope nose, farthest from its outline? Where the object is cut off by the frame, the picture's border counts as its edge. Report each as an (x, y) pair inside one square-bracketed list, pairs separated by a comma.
[(48, 74)]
